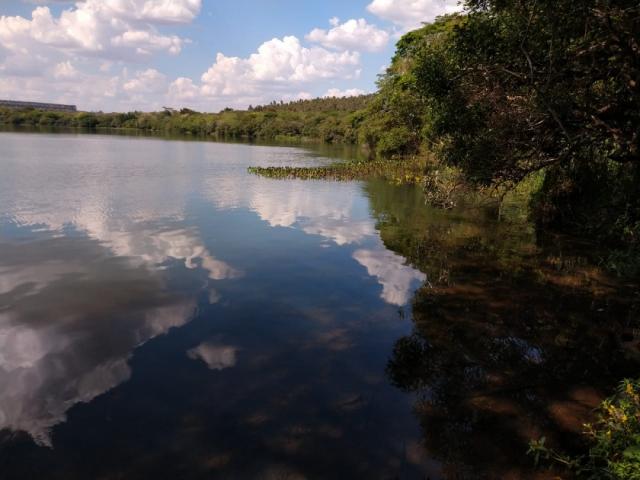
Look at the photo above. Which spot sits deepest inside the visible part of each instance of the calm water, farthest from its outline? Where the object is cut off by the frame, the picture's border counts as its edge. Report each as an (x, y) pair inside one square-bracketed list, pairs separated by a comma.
[(164, 314)]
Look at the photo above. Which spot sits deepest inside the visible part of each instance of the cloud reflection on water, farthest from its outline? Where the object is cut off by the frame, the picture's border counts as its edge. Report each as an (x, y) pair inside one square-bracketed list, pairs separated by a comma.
[(216, 356), (334, 212), (91, 284), (396, 278), (66, 336)]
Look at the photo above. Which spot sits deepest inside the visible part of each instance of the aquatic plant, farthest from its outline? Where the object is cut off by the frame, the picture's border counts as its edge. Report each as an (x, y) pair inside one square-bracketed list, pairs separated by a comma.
[(615, 440), (406, 171)]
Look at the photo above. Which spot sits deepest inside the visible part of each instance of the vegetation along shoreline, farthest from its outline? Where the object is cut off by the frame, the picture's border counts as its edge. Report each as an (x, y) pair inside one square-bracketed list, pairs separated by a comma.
[(510, 94)]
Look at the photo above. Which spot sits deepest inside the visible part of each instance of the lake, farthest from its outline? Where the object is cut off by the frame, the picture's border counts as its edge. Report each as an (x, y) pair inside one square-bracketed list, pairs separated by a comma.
[(165, 314)]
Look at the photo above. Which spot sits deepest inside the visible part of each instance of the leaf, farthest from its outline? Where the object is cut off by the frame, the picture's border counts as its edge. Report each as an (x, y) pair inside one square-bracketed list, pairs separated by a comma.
[(632, 453)]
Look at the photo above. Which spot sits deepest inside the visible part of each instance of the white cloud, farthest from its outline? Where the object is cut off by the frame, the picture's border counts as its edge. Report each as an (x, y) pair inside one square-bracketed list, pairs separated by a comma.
[(352, 34), (168, 11), (350, 92), (410, 14), (65, 70), (183, 89), (153, 11), (112, 29), (72, 56), (276, 71), (291, 97), (82, 53), (144, 42), (94, 91), (24, 65), (278, 61), (148, 81)]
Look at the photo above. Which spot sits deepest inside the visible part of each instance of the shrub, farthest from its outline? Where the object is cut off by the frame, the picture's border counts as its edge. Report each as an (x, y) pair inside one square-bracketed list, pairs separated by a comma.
[(614, 437)]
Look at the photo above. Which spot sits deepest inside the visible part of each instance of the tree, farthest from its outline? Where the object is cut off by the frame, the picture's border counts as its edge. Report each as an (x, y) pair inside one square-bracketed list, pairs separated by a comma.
[(526, 85)]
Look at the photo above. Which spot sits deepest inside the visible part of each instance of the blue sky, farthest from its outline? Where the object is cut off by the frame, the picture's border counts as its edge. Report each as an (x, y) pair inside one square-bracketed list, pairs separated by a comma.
[(116, 55)]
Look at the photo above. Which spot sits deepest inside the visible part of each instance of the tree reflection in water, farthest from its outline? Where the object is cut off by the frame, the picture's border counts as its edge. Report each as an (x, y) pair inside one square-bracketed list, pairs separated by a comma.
[(514, 337)]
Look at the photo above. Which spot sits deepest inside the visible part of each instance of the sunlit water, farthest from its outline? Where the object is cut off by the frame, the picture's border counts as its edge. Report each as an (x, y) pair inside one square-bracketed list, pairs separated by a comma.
[(165, 314)]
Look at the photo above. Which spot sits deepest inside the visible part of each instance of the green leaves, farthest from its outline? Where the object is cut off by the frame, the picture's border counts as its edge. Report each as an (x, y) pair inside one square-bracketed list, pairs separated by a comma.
[(615, 440), (538, 450), (405, 171)]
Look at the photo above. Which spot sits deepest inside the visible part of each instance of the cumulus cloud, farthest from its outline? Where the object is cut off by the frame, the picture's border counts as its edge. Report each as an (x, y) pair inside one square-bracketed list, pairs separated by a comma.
[(82, 53), (93, 90), (410, 14), (166, 11), (149, 80), (350, 92), (70, 57), (291, 97), (184, 90), (144, 42), (278, 70), (109, 29), (44, 2), (352, 34), (277, 61), (65, 70)]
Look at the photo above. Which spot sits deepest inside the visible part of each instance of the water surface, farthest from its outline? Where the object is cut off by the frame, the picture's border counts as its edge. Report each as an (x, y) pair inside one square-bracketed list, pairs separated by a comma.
[(165, 314)]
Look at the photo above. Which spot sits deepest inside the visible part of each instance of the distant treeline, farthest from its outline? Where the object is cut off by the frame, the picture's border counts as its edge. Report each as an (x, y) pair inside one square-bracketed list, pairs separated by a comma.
[(325, 104), (330, 120), (364, 120)]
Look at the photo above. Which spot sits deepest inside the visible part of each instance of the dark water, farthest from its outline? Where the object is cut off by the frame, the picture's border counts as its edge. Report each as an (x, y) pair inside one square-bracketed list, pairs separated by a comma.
[(164, 314)]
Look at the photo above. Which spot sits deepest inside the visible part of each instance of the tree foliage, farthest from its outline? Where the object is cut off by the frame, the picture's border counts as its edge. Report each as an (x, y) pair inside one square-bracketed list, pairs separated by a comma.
[(525, 85), (331, 120)]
